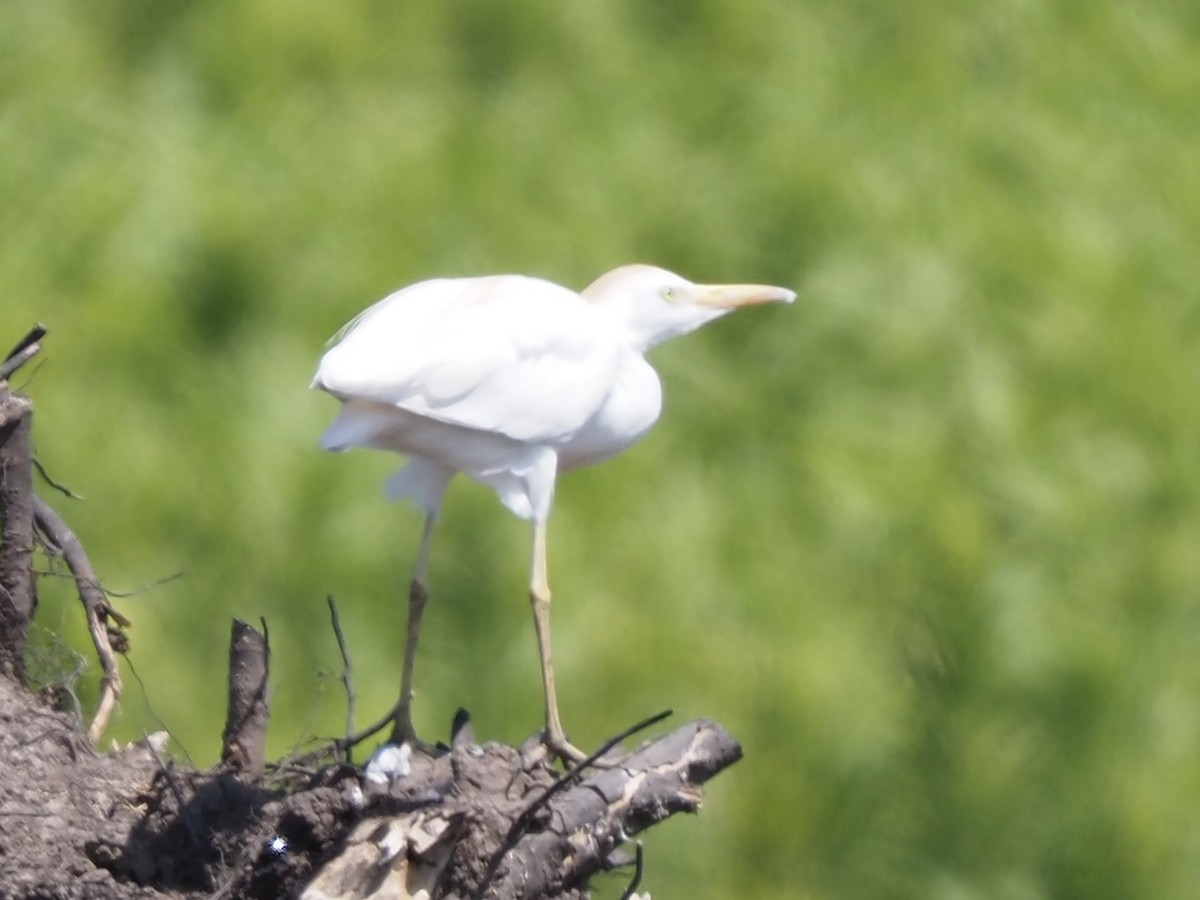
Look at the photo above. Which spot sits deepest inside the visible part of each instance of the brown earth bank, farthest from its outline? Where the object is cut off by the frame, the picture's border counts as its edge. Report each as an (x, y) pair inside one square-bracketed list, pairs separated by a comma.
[(477, 821)]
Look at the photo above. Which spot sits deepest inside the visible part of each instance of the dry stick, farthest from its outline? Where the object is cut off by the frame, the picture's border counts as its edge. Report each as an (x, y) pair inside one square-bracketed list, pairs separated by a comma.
[(61, 488), (639, 862), (568, 777), (342, 745), (17, 360), (354, 740), (25, 350), (35, 334), (157, 582), (347, 681), (95, 604), (523, 821), (154, 713), (578, 836), (244, 740)]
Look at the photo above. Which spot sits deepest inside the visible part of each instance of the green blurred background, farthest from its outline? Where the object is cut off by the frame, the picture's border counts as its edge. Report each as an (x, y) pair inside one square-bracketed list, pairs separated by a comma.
[(927, 542)]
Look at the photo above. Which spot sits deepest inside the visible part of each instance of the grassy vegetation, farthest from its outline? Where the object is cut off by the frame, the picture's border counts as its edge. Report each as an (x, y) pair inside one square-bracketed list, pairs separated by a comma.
[(927, 541)]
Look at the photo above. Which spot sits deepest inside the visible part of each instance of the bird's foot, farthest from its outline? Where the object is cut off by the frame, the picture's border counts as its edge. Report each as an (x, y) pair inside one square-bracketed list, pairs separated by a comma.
[(430, 750), (404, 733), (563, 750), (556, 746)]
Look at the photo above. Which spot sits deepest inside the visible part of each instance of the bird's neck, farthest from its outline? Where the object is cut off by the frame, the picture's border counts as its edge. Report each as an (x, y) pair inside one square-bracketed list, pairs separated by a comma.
[(639, 331)]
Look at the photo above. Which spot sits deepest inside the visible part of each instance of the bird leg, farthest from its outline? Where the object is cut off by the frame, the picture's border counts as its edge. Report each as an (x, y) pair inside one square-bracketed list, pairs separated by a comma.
[(418, 596), (553, 737)]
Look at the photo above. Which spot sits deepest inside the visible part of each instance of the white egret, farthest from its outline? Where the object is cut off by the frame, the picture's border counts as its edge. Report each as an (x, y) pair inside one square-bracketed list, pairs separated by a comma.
[(509, 380)]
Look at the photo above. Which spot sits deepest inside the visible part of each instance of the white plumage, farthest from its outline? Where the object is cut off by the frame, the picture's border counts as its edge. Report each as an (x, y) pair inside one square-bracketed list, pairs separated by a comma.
[(510, 380)]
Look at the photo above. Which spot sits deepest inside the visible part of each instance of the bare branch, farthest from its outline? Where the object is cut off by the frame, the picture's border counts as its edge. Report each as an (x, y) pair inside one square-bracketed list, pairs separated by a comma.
[(158, 582), (335, 748), (347, 681), (437, 828), (26, 349), (103, 622), (61, 488), (592, 819), (526, 818), (571, 774), (639, 863), (35, 334)]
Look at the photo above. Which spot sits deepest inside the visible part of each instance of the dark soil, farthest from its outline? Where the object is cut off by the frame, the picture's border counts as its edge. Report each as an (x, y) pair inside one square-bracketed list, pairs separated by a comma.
[(77, 823)]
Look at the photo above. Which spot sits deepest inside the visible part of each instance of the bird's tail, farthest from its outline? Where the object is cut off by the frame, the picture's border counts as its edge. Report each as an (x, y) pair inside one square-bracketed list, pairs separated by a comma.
[(357, 425)]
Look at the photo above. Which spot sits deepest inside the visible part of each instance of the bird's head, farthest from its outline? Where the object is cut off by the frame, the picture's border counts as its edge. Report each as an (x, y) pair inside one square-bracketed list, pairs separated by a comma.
[(652, 305)]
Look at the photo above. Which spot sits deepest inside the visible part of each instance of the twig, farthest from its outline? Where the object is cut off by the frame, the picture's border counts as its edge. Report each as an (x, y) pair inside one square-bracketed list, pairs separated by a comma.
[(61, 488), (13, 363), (96, 608), (578, 835), (347, 681), (568, 777), (182, 748), (343, 745), (639, 862), (523, 821), (353, 740), (158, 582), (54, 550), (25, 350), (35, 334)]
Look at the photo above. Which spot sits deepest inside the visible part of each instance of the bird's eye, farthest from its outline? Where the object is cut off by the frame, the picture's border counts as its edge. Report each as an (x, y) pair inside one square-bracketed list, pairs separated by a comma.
[(668, 294)]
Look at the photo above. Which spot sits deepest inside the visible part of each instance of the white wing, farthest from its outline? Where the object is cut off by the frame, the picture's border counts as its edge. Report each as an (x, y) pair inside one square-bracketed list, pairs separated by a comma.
[(507, 354)]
